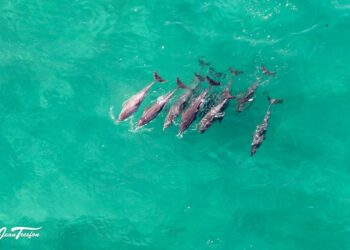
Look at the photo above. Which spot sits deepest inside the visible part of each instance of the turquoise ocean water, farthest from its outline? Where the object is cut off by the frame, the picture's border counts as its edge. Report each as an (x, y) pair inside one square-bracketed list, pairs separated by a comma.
[(90, 184)]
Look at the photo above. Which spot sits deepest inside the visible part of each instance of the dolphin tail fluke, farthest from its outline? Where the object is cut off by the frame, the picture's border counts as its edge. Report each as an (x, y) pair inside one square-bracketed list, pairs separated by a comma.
[(212, 82), (252, 151), (265, 71), (181, 85), (157, 77), (273, 101), (199, 77)]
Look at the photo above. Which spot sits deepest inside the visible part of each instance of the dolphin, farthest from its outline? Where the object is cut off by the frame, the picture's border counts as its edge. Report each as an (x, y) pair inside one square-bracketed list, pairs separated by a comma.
[(214, 112), (210, 101), (265, 71), (225, 106), (260, 131), (180, 104), (248, 96), (211, 98), (191, 112), (151, 112), (131, 105)]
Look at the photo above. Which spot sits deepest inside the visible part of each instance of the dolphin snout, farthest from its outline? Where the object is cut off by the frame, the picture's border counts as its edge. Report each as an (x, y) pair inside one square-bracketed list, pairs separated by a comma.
[(140, 123), (121, 117)]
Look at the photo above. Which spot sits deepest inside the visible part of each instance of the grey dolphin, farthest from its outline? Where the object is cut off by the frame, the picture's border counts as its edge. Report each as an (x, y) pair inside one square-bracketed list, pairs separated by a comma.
[(191, 112), (248, 96), (180, 104), (215, 98), (210, 101), (151, 112), (132, 104), (260, 131), (214, 112)]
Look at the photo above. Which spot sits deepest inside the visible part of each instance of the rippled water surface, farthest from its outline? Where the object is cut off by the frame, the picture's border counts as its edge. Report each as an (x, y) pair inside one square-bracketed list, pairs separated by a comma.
[(66, 167)]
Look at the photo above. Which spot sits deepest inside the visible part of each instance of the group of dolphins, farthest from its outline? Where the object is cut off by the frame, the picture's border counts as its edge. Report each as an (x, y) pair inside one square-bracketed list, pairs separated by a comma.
[(195, 102)]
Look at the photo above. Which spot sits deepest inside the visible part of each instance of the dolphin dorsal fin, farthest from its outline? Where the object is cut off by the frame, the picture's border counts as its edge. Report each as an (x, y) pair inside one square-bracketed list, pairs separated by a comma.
[(180, 84), (212, 82), (157, 77)]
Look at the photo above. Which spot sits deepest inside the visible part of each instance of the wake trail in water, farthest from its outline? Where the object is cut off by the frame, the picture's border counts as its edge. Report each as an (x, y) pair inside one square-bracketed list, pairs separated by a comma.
[(112, 115)]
